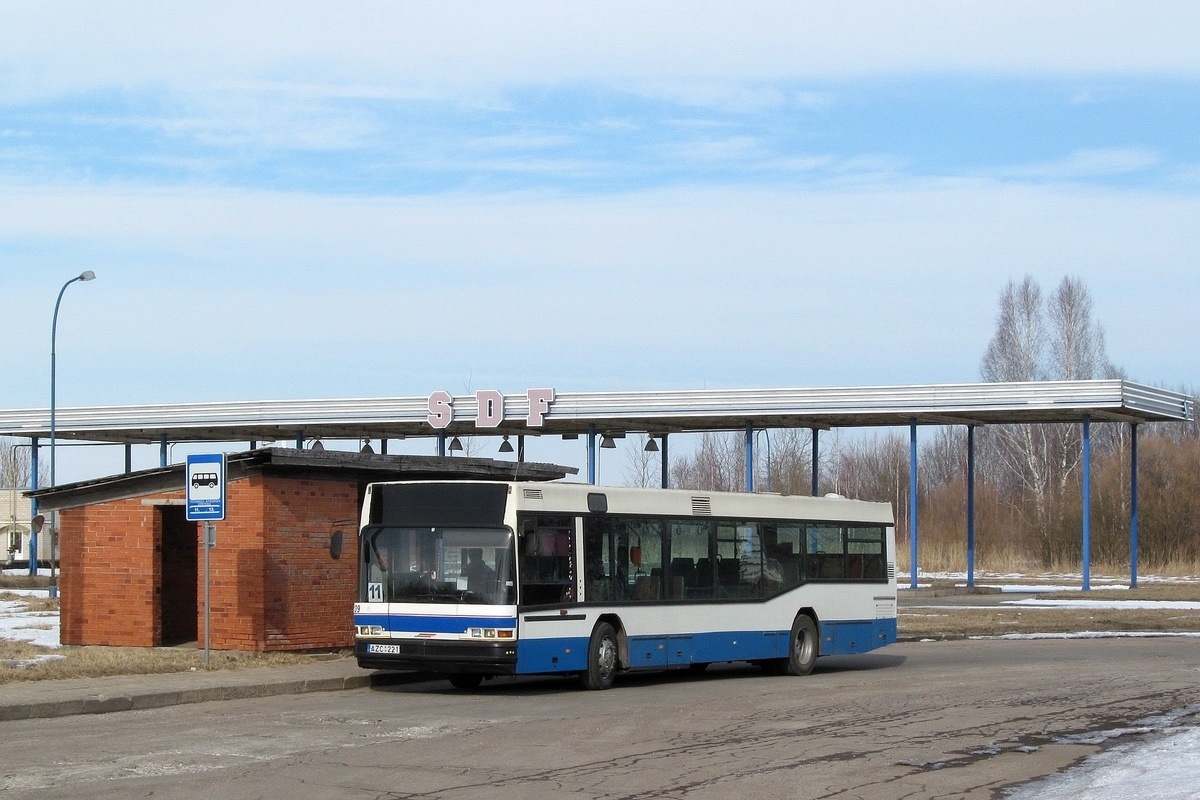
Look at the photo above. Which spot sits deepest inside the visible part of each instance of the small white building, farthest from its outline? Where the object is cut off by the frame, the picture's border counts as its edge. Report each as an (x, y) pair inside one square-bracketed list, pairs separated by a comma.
[(14, 527)]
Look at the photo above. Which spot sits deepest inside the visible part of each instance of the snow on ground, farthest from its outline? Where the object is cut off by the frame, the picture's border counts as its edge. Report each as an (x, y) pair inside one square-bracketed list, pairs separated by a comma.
[(1093, 635), (21, 625), (1161, 763), (1045, 582), (24, 571), (1108, 605)]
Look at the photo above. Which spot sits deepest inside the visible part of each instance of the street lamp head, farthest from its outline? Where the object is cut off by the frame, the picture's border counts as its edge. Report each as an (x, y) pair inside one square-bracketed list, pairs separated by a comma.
[(88, 276)]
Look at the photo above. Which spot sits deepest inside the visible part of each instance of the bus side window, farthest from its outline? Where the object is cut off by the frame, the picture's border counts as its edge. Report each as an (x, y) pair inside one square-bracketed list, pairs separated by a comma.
[(785, 543), (547, 565), (864, 547), (646, 559), (826, 553)]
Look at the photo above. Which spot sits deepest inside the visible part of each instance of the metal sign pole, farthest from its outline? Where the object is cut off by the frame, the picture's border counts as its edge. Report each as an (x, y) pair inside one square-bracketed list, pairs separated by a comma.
[(204, 485), (210, 540)]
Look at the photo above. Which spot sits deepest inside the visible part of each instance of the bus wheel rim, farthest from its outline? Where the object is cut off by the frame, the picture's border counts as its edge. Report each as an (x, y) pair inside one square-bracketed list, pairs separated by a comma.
[(606, 656)]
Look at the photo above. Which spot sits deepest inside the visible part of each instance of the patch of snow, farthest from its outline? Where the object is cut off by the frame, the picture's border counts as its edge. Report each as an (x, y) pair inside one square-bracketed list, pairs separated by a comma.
[(1096, 635), (1106, 605), (1036, 588), (1164, 766), (18, 624)]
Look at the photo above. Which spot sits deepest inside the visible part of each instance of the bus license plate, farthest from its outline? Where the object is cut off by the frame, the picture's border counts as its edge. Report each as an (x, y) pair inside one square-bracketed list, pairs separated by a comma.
[(393, 649)]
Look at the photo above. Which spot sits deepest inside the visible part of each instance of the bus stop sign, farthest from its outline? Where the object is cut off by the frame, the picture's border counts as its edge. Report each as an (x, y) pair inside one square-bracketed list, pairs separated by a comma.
[(205, 487)]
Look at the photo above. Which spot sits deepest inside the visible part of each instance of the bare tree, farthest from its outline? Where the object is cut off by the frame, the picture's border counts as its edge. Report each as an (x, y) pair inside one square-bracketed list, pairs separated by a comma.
[(15, 465), (786, 463), (642, 468), (718, 465), (1055, 339), (1076, 349), (1015, 352)]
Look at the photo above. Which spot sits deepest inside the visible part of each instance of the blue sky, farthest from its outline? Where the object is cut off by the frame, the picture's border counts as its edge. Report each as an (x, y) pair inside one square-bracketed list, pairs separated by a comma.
[(380, 199)]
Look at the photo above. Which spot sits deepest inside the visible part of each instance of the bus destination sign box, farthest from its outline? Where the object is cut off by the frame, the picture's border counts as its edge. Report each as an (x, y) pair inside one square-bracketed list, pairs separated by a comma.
[(206, 487)]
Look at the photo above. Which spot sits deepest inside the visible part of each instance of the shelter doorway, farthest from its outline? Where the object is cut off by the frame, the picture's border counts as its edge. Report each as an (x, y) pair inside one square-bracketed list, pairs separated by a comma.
[(178, 574)]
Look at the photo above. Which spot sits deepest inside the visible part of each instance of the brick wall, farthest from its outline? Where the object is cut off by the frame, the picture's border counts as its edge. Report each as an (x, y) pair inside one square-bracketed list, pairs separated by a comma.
[(273, 581), (309, 595), (110, 574)]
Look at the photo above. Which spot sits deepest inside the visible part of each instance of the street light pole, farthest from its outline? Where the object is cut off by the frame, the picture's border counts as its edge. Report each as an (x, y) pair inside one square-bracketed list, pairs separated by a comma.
[(83, 276)]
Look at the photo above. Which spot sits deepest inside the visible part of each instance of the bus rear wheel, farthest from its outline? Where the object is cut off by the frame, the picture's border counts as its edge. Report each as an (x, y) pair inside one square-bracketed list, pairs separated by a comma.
[(466, 681), (601, 658), (803, 647)]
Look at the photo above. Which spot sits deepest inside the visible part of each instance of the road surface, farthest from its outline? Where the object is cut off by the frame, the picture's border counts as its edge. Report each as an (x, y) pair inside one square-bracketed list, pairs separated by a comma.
[(930, 719)]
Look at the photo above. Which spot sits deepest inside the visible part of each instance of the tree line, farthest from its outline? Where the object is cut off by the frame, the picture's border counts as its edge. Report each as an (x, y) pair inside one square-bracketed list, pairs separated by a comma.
[(1028, 487)]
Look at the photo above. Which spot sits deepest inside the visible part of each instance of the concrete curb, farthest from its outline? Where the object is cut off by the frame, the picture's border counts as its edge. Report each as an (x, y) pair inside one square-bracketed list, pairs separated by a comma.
[(230, 686)]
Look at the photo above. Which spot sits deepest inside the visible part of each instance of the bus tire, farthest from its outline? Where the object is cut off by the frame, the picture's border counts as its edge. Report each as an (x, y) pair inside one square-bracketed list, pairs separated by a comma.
[(466, 680), (601, 658), (803, 646)]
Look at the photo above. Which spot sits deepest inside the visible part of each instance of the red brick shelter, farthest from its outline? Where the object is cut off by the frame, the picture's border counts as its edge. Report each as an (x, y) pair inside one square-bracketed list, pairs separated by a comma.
[(284, 572)]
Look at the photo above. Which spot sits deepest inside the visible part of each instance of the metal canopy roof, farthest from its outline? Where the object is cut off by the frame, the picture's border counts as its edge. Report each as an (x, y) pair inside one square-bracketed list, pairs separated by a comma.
[(615, 412)]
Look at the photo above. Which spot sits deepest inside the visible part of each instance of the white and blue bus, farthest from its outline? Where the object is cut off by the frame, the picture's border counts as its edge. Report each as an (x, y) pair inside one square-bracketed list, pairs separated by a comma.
[(475, 580)]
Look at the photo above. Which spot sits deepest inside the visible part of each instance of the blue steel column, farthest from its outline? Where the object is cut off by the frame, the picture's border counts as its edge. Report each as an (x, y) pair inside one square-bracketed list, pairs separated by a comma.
[(666, 471), (591, 454), (162, 451), (816, 461), (441, 444), (912, 504), (128, 458), (970, 505), (1133, 509), (749, 456), (300, 440), (33, 505), (1087, 503)]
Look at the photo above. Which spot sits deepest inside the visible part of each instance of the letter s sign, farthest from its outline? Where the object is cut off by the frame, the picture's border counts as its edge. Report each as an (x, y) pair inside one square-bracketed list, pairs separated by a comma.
[(441, 410)]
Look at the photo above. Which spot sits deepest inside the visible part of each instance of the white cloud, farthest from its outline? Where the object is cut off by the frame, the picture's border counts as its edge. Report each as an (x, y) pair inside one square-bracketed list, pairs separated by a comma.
[(390, 47), (1092, 163), (664, 289)]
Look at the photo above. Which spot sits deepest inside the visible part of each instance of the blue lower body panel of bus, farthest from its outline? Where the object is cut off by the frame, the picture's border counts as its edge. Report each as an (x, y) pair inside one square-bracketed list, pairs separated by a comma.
[(541, 656), (856, 636)]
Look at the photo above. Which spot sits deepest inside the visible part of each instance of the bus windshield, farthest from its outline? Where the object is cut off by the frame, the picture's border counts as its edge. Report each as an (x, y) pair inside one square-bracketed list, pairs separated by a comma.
[(438, 565)]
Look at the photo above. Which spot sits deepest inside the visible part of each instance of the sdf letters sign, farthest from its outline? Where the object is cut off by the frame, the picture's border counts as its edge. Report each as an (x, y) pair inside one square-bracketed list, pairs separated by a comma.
[(490, 408)]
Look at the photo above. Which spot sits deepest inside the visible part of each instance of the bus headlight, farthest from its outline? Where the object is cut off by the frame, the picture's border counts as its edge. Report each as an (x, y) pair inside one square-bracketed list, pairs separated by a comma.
[(369, 630), (489, 633)]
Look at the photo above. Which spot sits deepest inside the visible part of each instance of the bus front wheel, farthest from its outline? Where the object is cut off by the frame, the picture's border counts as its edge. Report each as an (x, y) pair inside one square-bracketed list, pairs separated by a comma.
[(804, 646), (601, 658)]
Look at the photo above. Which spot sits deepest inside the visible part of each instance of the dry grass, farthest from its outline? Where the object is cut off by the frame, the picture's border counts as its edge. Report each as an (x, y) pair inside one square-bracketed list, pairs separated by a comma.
[(24, 581), (955, 623), (951, 556), (98, 662), (20, 661), (949, 622), (1188, 592)]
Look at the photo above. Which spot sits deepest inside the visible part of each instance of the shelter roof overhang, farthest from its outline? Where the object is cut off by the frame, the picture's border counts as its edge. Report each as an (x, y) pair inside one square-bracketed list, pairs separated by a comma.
[(615, 412), (360, 466)]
